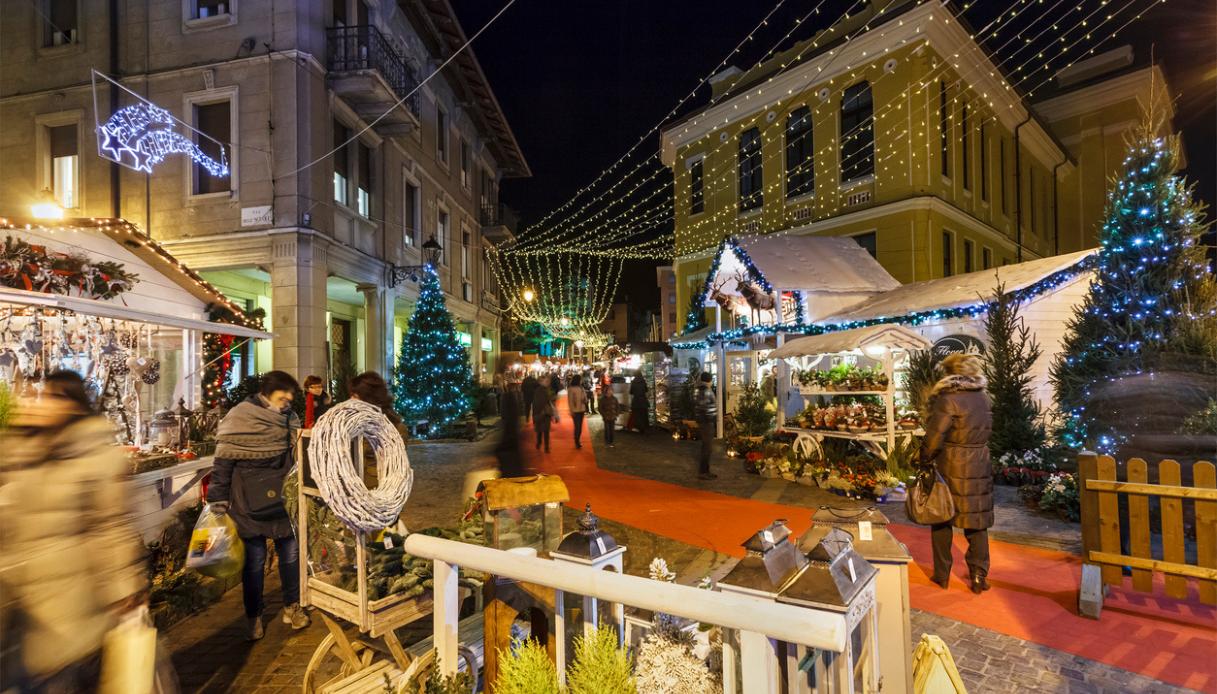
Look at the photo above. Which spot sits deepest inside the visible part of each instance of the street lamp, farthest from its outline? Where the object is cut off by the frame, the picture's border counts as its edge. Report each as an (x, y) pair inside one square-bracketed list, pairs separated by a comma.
[(431, 255)]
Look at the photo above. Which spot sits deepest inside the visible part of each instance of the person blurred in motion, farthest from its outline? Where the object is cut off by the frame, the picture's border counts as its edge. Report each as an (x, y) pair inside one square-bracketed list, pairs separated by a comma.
[(705, 411), (507, 452), (371, 387), (528, 388), (542, 407), (957, 444), (71, 562), (591, 383), (576, 400), (253, 456), (608, 410), (639, 403), (316, 400)]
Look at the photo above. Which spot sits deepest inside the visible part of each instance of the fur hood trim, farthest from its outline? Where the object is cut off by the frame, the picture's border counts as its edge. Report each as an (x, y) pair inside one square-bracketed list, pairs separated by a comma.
[(957, 383)]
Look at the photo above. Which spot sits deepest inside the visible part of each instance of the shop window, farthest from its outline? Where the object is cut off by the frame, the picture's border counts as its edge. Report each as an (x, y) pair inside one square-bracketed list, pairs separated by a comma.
[(750, 174), (800, 174), (697, 192), (215, 121), (64, 165), (342, 163), (60, 22), (857, 133), (363, 200)]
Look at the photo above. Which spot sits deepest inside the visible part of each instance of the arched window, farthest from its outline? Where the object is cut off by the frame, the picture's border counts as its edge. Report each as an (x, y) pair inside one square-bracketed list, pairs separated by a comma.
[(800, 173), (750, 170), (857, 133)]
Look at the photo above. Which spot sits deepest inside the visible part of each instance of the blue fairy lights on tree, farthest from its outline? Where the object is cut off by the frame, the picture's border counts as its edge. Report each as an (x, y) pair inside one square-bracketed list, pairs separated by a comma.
[(1151, 307), (433, 378)]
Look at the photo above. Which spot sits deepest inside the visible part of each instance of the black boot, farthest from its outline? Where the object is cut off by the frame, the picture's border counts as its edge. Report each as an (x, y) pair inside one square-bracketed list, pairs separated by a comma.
[(978, 584)]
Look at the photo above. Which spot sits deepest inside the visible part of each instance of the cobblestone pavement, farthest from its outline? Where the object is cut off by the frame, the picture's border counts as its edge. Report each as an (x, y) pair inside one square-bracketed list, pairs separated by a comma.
[(211, 655)]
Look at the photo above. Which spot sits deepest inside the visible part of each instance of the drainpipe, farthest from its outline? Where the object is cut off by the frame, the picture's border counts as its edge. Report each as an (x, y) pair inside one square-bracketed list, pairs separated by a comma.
[(116, 197), (1018, 191), (1056, 209)]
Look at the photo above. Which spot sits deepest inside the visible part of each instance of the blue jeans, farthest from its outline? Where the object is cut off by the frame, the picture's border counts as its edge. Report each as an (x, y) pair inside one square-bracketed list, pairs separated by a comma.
[(254, 574)]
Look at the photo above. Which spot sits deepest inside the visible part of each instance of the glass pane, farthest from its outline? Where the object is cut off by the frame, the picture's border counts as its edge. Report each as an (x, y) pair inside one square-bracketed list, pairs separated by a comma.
[(63, 181)]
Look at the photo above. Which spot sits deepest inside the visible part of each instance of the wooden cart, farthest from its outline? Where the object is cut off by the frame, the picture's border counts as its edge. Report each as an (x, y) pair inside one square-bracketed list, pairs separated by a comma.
[(366, 656)]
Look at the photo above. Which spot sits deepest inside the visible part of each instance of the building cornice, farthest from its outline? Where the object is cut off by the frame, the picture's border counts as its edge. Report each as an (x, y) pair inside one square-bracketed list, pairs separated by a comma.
[(1132, 86)]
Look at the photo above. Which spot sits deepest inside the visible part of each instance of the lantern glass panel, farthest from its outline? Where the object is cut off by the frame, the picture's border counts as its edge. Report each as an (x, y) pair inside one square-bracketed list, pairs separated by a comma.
[(523, 512)]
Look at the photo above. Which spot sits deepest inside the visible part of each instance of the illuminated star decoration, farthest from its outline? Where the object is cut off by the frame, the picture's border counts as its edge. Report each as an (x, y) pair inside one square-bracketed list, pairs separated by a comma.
[(142, 135)]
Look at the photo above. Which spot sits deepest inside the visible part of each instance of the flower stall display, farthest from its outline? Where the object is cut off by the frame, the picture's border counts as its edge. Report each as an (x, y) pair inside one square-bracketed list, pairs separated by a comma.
[(1031, 467), (843, 378)]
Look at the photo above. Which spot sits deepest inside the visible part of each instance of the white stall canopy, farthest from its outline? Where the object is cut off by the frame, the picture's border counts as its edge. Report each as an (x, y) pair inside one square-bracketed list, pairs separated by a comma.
[(873, 341)]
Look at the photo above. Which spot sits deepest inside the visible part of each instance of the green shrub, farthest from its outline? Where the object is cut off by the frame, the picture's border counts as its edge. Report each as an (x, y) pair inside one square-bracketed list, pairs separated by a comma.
[(752, 414), (526, 669), (919, 378), (600, 667), (7, 402), (1203, 422)]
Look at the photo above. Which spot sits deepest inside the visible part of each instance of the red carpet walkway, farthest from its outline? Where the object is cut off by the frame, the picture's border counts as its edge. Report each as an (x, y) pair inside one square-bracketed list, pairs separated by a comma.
[(1034, 590)]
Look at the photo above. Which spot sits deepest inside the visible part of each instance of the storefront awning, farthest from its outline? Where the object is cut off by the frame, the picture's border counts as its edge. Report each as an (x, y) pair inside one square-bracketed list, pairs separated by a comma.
[(873, 339), (112, 309)]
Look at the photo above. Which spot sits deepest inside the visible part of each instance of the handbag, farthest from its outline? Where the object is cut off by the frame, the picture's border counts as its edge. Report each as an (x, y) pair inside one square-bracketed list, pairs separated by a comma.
[(929, 501), (128, 656)]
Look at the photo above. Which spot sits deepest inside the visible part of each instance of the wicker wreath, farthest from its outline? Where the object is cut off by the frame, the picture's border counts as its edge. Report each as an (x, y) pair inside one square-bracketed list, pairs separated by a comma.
[(337, 477)]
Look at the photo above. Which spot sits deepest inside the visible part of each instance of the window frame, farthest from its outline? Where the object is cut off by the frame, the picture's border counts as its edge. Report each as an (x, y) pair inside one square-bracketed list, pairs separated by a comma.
[(465, 154), (869, 119), (411, 228), (754, 158), (44, 167), (965, 149), (986, 258), (984, 163), (345, 151), (192, 23), (948, 253), (872, 233), (443, 147), (46, 40), (805, 170), (363, 195), (944, 130), (697, 185), (969, 250), (443, 231), (207, 97)]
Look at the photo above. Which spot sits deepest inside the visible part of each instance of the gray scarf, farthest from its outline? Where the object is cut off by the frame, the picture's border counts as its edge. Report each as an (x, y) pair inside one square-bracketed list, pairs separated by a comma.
[(252, 431)]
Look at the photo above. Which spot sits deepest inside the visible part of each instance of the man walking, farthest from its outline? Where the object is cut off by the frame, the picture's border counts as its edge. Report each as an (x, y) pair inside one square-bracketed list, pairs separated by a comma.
[(705, 409)]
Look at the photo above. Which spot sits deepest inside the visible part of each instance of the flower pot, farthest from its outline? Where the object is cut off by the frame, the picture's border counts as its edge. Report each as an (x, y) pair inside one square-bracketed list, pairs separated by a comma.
[(788, 476), (769, 472), (807, 481)]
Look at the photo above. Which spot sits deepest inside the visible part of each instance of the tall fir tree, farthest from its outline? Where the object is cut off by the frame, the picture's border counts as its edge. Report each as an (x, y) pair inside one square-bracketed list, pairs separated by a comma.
[(1013, 350), (433, 377), (1152, 303)]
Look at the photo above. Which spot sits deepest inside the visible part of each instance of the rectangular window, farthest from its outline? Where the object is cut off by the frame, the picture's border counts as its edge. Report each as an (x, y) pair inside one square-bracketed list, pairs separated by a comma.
[(340, 13), (441, 234), (364, 201), (65, 165), (60, 25), (342, 163), (1031, 200), (203, 9), (465, 177), (413, 210), (944, 129), (969, 250), (984, 164), (441, 135), (215, 121), (800, 174), (869, 241), (750, 177), (1001, 165), (948, 254), (857, 133), (697, 193), (965, 149), (986, 258)]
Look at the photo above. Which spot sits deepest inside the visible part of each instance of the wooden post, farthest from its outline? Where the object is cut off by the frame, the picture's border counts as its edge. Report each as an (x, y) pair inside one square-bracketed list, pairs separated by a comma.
[(559, 637), (889, 399), (730, 665), (1109, 521), (1090, 593), (1172, 529), (446, 616), (722, 372), (781, 379), (1138, 526), (1205, 477), (757, 662)]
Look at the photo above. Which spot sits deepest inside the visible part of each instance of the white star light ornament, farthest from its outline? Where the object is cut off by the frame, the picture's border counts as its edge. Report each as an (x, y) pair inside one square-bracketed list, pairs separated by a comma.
[(142, 135)]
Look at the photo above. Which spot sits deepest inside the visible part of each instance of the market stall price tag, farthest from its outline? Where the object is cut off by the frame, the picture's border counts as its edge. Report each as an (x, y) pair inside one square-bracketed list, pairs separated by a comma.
[(853, 574), (388, 541), (865, 533), (600, 544)]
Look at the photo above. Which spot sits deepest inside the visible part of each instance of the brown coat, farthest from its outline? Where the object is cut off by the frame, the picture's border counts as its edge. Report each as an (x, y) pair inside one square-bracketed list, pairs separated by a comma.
[(957, 443)]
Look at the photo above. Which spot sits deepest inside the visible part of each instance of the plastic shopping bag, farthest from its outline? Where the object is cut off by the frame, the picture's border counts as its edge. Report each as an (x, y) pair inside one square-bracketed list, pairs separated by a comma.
[(215, 549), (128, 656)]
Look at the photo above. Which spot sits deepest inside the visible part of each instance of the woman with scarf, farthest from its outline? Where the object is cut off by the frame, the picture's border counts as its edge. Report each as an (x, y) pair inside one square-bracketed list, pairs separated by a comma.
[(957, 444), (253, 456)]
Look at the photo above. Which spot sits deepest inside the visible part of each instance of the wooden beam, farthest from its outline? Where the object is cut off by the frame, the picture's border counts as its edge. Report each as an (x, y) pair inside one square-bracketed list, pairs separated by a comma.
[(1166, 567), (1152, 489)]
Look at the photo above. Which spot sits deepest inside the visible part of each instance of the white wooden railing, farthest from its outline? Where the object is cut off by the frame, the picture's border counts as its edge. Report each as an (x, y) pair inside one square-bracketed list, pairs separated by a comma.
[(756, 620)]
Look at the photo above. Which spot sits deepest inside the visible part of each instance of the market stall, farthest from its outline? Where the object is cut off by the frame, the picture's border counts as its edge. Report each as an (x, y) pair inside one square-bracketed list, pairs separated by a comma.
[(98, 297), (849, 383)]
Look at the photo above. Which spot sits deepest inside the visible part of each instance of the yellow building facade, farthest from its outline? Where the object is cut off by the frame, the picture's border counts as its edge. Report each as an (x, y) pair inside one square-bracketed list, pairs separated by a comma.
[(899, 130)]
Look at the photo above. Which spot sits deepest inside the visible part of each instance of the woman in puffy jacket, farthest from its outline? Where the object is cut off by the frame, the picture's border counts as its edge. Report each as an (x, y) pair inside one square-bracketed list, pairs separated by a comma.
[(957, 444)]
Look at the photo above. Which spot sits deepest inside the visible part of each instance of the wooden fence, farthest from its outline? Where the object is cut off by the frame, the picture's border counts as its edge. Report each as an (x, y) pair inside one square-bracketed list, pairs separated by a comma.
[(1104, 558)]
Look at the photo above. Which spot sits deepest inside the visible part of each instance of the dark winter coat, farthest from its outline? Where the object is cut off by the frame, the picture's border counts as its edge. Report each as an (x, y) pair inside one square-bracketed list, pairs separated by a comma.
[(528, 387), (247, 486), (542, 408), (638, 394), (957, 444)]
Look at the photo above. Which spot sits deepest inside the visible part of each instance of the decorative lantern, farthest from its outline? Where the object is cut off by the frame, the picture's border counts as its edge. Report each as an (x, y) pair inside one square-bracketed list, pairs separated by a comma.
[(163, 429), (183, 416), (877, 545), (523, 511), (770, 561), (588, 546)]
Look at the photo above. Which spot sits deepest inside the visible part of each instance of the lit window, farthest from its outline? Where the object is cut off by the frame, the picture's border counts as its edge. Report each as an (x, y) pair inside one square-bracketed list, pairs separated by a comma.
[(750, 176), (65, 165), (857, 133), (202, 9), (464, 163), (364, 191), (413, 209), (441, 135), (342, 164), (215, 121), (800, 173)]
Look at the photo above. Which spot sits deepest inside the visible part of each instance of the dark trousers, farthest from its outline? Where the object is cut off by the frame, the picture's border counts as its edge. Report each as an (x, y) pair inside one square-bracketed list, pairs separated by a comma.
[(706, 449), (641, 420), (610, 424), (591, 402), (254, 574), (577, 421), (977, 556), (542, 434)]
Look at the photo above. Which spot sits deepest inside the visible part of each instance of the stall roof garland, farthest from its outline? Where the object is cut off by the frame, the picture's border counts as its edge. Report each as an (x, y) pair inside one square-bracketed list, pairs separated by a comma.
[(1027, 293), (696, 317)]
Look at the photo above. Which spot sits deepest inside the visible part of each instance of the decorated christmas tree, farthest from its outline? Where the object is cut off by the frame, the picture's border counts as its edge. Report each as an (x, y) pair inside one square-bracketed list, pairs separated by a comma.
[(1012, 352), (1145, 339), (432, 379)]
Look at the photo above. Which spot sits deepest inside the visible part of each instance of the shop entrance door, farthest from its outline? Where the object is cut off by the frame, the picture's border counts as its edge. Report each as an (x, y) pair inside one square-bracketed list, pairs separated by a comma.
[(341, 359)]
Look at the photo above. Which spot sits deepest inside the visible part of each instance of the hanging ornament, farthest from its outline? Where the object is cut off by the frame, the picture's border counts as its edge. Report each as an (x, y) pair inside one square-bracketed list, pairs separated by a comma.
[(117, 363), (152, 372)]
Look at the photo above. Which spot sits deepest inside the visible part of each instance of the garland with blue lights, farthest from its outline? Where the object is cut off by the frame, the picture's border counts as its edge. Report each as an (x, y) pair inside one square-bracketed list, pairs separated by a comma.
[(433, 378), (1152, 305)]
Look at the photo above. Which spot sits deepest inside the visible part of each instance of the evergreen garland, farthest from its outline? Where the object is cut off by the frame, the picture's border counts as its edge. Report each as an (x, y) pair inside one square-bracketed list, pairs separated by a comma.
[(33, 268), (1153, 301), (217, 350), (432, 379), (1012, 351)]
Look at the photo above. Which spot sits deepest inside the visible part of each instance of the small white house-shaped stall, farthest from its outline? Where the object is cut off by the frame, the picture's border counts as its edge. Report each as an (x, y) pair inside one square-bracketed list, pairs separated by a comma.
[(755, 285)]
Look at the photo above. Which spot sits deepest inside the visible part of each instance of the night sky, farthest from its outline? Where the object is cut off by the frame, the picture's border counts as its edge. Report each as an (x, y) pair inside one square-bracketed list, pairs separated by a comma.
[(581, 80)]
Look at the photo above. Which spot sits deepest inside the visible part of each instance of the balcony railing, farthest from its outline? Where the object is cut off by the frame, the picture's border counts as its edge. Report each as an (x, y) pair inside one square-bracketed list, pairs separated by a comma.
[(365, 48), (499, 215)]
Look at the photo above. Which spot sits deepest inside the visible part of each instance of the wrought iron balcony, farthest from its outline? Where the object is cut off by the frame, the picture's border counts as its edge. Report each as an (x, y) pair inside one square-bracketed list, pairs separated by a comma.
[(356, 56), (499, 222)]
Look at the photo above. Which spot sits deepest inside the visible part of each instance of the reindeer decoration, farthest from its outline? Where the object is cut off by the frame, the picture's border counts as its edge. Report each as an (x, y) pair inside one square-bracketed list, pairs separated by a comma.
[(757, 299), (720, 297)]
